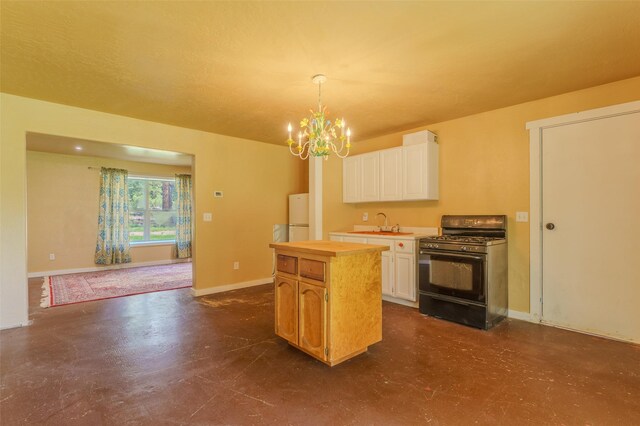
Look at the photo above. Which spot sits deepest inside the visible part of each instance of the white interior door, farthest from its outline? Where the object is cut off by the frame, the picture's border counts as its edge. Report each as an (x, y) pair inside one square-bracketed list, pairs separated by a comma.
[(591, 195)]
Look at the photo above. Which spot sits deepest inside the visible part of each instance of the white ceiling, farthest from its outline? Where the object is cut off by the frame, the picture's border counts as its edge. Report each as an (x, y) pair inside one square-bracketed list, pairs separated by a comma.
[(244, 68)]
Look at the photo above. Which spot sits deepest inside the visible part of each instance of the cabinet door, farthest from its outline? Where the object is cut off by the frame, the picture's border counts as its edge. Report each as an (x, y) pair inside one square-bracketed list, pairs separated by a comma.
[(391, 174), (387, 273), (351, 179), (420, 172), (370, 177), (405, 276), (312, 319), (287, 308)]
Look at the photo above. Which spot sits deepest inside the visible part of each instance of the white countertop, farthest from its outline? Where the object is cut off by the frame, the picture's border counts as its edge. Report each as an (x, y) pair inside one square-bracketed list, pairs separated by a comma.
[(413, 233)]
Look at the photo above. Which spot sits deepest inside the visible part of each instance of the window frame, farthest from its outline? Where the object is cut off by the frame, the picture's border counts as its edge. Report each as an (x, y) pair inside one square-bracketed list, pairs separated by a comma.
[(146, 225)]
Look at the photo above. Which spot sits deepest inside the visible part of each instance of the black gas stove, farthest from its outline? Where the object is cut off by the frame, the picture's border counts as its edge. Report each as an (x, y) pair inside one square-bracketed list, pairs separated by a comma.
[(463, 272)]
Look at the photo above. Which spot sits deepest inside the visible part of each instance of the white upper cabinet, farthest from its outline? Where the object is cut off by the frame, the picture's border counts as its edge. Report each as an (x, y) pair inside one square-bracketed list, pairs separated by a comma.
[(408, 172), (352, 179), (370, 177), (391, 174), (420, 171)]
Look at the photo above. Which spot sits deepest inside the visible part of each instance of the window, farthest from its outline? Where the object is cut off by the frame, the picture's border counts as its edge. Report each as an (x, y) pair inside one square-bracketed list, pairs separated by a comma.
[(152, 212)]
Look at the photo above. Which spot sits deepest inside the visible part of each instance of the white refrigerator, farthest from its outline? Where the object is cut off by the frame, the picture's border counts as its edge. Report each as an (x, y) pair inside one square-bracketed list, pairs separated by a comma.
[(298, 217)]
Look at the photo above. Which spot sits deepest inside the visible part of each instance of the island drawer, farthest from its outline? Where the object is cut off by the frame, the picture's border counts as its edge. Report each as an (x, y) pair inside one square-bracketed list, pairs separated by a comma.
[(288, 264), (313, 269)]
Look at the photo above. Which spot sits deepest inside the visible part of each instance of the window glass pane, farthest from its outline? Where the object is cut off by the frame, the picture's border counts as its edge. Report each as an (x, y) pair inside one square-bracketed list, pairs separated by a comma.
[(154, 201), (137, 198), (161, 195), (136, 226), (163, 225)]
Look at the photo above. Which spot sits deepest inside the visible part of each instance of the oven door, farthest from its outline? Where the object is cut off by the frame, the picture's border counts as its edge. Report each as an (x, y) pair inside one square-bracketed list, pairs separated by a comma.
[(453, 274)]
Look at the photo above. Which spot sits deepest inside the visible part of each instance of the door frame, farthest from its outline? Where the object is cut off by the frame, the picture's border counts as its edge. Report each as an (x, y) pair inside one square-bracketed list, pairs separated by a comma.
[(536, 130)]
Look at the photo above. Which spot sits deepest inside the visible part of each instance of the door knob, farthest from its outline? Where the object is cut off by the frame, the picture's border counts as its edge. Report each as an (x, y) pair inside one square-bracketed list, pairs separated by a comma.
[(550, 226)]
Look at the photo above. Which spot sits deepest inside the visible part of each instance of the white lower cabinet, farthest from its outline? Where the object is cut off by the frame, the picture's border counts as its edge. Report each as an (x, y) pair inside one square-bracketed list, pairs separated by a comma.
[(405, 276)]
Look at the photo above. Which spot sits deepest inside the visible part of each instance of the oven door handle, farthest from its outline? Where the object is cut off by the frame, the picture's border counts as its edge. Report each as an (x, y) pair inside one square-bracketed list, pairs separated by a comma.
[(439, 253)]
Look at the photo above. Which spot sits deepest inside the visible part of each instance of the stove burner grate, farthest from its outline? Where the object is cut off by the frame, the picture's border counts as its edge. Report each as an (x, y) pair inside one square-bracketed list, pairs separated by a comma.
[(464, 239)]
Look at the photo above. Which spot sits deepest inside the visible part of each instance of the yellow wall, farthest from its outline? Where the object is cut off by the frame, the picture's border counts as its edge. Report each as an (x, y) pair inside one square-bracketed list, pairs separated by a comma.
[(255, 177), (62, 210), (484, 169)]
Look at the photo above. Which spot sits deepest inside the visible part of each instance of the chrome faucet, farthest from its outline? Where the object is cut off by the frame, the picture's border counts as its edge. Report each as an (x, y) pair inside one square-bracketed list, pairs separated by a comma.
[(384, 228)]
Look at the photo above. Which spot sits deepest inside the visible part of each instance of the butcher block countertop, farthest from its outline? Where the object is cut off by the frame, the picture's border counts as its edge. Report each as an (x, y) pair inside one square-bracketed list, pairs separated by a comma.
[(328, 248)]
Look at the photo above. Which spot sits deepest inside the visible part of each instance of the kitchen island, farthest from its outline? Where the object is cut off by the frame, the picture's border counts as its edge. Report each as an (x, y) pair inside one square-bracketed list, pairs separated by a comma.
[(328, 297)]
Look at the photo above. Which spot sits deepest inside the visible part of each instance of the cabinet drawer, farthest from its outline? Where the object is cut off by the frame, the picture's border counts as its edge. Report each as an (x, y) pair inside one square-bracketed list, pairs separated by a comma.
[(404, 246), (313, 269), (288, 264), (354, 240), (381, 242)]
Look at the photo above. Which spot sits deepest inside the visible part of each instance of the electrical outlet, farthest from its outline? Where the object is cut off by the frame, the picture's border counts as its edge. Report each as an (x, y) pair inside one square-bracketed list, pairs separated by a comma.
[(207, 217), (365, 217), (218, 194), (236, 265), (52, 256), (522, 216)]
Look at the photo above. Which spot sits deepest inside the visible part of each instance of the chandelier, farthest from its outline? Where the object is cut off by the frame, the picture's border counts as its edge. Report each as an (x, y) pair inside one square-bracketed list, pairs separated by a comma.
[(318, 136)]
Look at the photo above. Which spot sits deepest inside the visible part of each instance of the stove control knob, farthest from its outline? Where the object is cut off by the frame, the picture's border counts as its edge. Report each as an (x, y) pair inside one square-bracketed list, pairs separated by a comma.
[(429, 245), (463, 248), (435, 246)]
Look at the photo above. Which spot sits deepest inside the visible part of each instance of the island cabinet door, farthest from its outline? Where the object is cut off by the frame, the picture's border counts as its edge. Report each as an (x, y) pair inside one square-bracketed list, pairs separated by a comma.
[(287, 309), (313, 315)]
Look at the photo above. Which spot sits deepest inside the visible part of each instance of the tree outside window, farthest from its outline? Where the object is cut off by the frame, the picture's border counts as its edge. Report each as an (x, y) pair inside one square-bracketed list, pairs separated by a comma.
[(152, 213)]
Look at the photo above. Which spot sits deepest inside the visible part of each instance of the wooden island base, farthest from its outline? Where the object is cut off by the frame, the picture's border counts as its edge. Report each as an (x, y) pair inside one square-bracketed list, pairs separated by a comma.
[(335, 361), (328, 297)]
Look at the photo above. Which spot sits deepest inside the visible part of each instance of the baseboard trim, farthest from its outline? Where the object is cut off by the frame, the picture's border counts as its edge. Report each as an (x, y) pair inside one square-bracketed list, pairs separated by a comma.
[(523, 316), (228, 287), (105, 268), (400, 301), (18, 325)]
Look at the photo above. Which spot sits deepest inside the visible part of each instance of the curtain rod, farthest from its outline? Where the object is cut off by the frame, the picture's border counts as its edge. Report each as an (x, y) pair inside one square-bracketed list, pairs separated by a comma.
[(135, 173), (142, 175)]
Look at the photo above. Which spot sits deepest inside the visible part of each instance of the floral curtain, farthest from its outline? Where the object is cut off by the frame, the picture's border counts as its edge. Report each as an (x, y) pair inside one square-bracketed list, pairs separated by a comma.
[(112, 245), (183, 209)]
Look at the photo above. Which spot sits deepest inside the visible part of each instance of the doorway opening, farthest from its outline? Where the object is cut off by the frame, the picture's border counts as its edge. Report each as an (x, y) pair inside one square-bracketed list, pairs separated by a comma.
[(63, 216)]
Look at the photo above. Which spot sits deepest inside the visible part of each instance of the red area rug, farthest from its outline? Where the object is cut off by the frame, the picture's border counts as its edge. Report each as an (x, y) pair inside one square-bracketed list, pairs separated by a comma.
[(75, 288)]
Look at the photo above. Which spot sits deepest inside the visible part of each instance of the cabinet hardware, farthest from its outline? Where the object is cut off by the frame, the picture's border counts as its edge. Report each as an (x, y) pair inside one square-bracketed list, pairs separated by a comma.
[(326, 297), (326, 351)]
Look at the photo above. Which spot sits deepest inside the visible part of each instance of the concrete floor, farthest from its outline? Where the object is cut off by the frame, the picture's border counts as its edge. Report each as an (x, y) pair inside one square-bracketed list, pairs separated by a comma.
[(167, 358)]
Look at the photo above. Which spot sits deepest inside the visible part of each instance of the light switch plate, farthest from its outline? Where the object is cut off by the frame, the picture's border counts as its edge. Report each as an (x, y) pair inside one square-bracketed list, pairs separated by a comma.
[(218, 194), (522, 216), (207, 217), (365, 217)]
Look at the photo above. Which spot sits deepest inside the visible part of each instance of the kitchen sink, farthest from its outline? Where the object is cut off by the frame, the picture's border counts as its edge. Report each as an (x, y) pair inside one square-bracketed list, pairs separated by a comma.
[(380, 233)]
